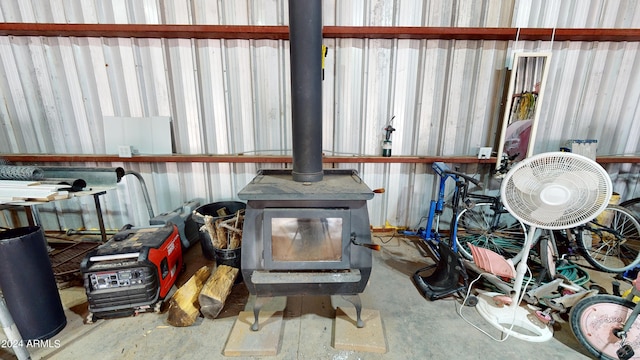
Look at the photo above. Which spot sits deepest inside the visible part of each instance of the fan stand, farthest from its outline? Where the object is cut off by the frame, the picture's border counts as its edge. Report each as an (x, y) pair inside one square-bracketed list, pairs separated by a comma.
[(513, 319)]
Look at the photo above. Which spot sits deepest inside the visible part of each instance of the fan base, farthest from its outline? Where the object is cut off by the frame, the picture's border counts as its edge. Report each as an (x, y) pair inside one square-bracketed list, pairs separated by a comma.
[(513, 320)]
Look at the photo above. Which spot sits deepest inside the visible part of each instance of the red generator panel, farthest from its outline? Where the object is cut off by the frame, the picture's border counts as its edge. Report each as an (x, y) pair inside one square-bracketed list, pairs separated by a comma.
[(133, 271)]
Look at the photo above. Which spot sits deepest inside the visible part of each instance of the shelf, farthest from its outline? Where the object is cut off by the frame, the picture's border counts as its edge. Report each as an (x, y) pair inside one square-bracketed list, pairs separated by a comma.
[(252, 32), (37, 158), (248, 159)]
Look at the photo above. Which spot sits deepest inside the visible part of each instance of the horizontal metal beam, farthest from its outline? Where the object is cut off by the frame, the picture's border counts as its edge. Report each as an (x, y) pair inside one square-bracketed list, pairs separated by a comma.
[(37, 158), (282, 32), (248, 159)]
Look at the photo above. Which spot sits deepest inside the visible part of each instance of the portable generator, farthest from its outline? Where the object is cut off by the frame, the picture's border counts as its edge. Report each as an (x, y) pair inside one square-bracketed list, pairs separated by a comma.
[(133, 271)]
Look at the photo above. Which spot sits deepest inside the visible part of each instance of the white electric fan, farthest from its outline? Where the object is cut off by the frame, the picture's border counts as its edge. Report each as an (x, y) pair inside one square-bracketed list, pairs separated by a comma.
[(554, 190)]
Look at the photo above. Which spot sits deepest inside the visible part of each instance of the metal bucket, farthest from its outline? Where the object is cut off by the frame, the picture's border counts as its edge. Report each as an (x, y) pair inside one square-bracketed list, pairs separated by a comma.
[(228, 257), (231, 207)]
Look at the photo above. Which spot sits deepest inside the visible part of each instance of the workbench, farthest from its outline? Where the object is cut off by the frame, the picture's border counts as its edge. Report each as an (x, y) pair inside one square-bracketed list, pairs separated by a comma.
[(33, 216)]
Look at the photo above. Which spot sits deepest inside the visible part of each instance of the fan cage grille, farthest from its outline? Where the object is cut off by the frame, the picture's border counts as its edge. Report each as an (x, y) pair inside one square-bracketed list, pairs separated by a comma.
[(588, 183)]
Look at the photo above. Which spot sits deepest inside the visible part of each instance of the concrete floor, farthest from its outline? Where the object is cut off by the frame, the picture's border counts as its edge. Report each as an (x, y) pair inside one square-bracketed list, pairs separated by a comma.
[(413, 328)]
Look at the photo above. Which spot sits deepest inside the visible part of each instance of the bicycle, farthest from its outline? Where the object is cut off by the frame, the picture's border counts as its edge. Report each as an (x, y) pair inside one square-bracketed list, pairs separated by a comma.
[(633, 205), (606, 324), (431, 234), (555, 285), (611, 242), (487, 224), (561, 283)]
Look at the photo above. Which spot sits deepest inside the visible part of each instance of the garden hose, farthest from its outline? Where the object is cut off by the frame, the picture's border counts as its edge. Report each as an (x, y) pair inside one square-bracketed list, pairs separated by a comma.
[(574, 273), (571, 272)]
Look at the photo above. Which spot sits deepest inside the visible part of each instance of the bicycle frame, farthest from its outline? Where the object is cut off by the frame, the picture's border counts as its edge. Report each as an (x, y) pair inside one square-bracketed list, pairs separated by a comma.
[(496, 206), (431, 233), (599, 229), (492, 224), (636, 310), (606, 324), (622, 333)]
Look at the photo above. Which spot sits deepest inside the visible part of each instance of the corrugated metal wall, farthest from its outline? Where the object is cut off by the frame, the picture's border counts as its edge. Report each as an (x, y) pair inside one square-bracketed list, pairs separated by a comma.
[(232, 96)]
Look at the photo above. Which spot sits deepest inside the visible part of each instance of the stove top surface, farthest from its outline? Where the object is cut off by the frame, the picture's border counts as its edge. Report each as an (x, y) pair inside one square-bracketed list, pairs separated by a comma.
[(277, 184)]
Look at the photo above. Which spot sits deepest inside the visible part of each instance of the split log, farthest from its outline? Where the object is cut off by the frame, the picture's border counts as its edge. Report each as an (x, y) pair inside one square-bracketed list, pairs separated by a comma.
[(235, 241), (215, 291), (236, 233), (183, 305), (222, 212), (221, 236), (209, 228)]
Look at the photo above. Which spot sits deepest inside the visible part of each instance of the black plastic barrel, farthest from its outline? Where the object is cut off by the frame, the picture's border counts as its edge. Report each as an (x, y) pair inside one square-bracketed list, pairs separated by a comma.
[(226, 257), (28, 284)]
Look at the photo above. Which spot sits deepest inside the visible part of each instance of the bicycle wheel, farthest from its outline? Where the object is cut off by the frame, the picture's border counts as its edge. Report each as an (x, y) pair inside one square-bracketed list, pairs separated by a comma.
[(633, 205), (482, 226), (548, 254), (593, 320), (611, 242)]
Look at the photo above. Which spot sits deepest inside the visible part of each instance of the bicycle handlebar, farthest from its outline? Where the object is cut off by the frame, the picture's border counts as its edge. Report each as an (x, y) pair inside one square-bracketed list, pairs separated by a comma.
[(505, 164), (466, 177), (441, 169)]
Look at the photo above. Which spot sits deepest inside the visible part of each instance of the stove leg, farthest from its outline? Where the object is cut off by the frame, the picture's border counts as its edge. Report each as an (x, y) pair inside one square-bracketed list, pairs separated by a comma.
[(257, 305), (355, 300)]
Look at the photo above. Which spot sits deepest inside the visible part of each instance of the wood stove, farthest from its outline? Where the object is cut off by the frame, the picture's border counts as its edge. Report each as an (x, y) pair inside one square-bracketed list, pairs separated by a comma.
[(303, 238), (304, 227)]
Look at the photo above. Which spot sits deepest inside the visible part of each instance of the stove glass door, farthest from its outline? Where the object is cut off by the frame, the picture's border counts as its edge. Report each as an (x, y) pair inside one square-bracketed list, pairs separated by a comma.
[(306, 238)]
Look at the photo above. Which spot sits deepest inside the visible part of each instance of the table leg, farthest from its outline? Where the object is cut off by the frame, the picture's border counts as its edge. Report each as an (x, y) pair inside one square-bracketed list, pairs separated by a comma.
[(103, 232), (33, 215)]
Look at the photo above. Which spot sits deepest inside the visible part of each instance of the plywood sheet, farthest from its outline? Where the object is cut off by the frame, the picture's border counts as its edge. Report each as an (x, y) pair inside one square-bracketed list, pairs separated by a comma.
[(264, 342), (347, 336)]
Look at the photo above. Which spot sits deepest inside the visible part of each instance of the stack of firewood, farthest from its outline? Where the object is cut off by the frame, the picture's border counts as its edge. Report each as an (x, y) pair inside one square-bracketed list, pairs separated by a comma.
[(207, 290), (204, 293), (225, 232)]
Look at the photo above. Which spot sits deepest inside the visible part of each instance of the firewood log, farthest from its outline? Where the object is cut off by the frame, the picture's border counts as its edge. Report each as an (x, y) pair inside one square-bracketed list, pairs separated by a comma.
[(221, 236), (183, 305), (215, 291), (210, 228), (235, 240)]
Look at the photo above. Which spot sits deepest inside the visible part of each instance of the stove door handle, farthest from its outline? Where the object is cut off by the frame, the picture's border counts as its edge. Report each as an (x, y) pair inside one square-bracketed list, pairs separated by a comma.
[(368, 246)]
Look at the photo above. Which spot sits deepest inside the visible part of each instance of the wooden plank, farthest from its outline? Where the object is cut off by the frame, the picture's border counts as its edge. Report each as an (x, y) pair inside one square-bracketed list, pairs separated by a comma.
[(16, 190), (61, 195), (27, 193), (6, 200), (347, 336), (280, 32), (243, 341), (50, 187), (13, 183)]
